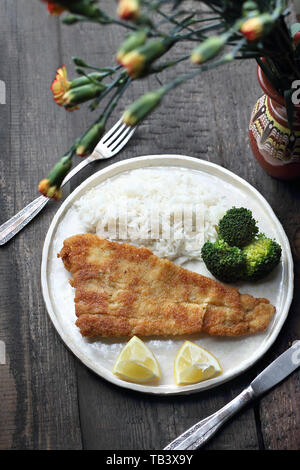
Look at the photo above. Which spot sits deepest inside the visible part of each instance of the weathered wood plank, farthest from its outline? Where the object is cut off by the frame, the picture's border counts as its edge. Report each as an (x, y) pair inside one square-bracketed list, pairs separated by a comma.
[(208, 119), (112, 418), (279, 410), (190, 122), (38, 387)]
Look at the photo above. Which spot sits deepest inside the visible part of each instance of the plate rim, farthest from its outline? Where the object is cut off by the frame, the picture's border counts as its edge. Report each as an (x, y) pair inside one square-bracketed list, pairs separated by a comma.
[(204, 165)]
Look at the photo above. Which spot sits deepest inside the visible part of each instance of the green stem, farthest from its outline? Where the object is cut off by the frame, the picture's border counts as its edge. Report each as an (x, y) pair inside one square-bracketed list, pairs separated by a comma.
[(224, 59), (115, 98), (203, 68), (103, 116), (171, 63), (112, 85), (81, 64), (124, 24), (171, 20), (200, 31)]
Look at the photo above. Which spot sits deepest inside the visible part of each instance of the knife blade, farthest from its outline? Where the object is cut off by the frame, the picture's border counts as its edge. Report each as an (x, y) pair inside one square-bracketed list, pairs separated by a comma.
[(278, 370), (202, 431)]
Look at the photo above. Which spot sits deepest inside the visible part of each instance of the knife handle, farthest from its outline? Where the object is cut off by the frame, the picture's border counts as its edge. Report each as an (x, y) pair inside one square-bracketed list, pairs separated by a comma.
[(201, 432), (12, 226)]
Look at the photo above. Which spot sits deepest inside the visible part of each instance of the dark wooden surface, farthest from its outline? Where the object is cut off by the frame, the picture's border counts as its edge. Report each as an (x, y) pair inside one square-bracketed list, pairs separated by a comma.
[(48, 399)]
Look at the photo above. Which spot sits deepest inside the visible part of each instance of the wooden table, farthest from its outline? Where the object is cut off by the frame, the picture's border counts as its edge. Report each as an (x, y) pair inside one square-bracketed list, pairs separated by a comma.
[(48, 399)]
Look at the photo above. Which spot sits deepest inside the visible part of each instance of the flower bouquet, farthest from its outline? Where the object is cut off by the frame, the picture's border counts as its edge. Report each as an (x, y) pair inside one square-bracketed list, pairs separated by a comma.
[(219, 31)]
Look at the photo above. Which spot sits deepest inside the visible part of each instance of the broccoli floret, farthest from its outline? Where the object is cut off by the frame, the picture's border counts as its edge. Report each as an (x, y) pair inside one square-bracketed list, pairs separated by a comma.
[(262, 255), (238, 227), (225, 262)]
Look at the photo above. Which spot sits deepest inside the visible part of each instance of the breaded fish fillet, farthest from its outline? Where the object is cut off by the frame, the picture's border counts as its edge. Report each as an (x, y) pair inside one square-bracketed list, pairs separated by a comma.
[(122, 290)]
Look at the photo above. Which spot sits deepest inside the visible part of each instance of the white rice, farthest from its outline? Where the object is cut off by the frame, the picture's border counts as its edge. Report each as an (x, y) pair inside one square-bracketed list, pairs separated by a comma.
[(144, 192)]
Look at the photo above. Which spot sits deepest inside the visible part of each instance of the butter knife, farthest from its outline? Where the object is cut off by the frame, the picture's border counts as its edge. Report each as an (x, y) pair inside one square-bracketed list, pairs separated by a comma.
[(202, 431)]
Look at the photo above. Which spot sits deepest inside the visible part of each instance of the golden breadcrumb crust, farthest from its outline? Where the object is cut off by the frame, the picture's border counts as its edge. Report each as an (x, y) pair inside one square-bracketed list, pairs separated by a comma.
[(122, 290)]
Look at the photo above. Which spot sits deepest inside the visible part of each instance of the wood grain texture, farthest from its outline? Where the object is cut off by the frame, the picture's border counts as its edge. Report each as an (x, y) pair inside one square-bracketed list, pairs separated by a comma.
[(48, 399), (38, 386)]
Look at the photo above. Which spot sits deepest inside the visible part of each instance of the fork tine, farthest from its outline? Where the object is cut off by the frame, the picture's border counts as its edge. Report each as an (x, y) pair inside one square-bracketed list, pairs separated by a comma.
[(116, 149), (116, 140), (114, 136), (111, 131), (113, 141)]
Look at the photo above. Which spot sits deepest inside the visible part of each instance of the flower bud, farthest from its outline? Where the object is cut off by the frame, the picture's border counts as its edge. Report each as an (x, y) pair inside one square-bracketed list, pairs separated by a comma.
[(49, 191), (81, 94), (250, 8), (54, 8), (70, 19), (69, 94), (254, 28), (140, 108), (135, 63), (50, 186), (208, 49), (79, 62), (60, 85), (88, 8), (137, 60), (128, 9), (133, 41), (90, 139)]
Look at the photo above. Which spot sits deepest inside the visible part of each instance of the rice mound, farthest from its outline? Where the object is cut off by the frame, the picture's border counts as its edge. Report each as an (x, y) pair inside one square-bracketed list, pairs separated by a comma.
[(138, 196)]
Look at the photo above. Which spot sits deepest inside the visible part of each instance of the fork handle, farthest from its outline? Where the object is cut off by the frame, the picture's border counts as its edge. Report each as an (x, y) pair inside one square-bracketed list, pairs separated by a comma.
[(201, 432), (14, 225)]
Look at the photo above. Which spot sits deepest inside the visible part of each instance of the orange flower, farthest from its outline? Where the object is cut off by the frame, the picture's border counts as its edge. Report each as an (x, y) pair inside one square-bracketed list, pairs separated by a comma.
[(47, 190), (60, 86), (134, 62), (254, 28), (51, 186), (54, 8), (128, 9), (70, 94), (137, 60)]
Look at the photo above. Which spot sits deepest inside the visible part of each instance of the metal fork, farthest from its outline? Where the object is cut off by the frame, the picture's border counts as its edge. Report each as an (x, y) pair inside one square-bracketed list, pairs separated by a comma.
[(109, 145)]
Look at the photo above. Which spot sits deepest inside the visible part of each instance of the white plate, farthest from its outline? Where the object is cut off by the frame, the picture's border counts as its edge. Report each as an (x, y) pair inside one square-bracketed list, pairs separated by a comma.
[(234, 354)]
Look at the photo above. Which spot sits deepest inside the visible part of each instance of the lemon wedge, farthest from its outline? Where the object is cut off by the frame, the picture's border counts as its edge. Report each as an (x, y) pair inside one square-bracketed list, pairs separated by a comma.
[(194, 364), (136, 363)]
